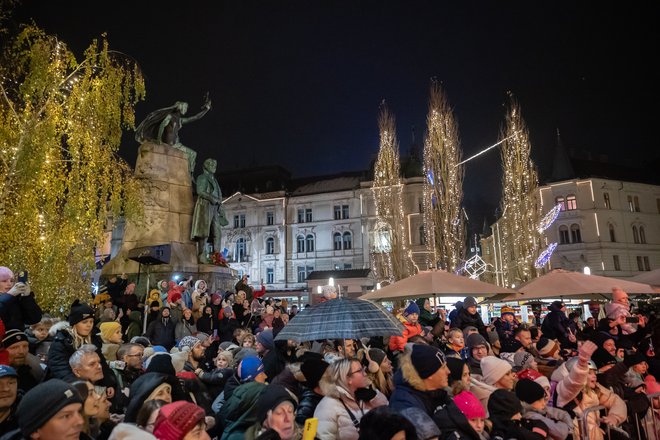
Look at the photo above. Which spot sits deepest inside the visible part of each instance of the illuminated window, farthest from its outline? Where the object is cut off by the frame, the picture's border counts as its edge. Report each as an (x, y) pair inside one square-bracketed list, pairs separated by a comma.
[(571, 203), (561, 201), (606, 196), (563, 235), (630, 204), (240, 249), (576, 236)]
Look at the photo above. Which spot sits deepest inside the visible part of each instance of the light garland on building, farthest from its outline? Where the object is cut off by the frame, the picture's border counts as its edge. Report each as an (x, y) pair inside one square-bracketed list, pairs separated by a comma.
[(549, 218), (443, 188)]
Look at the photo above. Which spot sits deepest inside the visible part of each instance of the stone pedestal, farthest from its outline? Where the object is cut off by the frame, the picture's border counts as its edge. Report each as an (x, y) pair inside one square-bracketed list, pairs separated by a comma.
[(168, 211)]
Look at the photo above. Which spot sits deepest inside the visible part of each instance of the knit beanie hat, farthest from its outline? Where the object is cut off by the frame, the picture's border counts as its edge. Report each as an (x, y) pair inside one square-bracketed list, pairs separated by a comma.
[(633, 359), (42, 402), (6, 273), (228, 312), (228, 345), (601, 358), (412, 308), (529, 391), (493, 369), (474, 340), (469, 405), (143, 341), (377, 355), (546, 347), (265, 338), (503, 404), (507, 310), (523, 360), (160, 363), (271, 396), (455, 369), (79, 312), (249, 368), (12, 336), (420, 302), (313, 369), (188, 342), (469, 301), (529, 374), (493, 337), (177, 419), (6, 370), (108, 329), (557, 305), (426, 359), (510, 345)]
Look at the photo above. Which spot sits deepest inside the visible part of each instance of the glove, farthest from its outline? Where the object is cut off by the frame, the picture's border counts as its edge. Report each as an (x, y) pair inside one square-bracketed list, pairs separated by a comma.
[(585, 352), (18, 289)]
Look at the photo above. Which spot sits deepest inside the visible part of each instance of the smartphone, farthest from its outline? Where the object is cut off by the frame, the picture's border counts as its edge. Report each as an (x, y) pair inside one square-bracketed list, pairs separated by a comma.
[(632, 320), (22, 276), (309, 431)]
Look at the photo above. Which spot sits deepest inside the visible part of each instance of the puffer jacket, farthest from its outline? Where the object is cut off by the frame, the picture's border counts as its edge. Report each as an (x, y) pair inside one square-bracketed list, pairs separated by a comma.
[(559, 422), (615, 405), (398, 343), (334, 422), (568, 383), (465, 319), (239, 412), (309, 400), (481, 390)]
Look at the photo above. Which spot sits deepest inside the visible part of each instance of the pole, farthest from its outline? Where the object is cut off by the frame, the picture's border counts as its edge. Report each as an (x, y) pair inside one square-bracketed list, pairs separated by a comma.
[(146, 301)]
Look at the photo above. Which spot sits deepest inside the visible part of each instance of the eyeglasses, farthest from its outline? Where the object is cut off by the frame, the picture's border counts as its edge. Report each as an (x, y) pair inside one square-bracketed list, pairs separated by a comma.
[(362, 370)]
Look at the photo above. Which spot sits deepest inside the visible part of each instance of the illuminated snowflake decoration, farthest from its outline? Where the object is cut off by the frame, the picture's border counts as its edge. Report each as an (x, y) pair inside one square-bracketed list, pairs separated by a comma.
[(474, 267), (549, 218), (543, 259)]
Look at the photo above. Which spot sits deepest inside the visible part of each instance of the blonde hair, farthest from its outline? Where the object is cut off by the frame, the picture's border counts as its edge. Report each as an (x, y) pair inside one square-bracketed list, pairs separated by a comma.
[(383, 382), (226, 355), (336, 376), (79, 341)]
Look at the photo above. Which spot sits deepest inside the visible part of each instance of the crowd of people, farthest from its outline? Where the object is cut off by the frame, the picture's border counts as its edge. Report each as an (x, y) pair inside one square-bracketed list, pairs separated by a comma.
[(183, 363)]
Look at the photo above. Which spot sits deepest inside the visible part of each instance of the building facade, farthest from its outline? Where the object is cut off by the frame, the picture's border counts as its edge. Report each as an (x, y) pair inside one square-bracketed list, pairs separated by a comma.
[(610, 226), (323, 224)]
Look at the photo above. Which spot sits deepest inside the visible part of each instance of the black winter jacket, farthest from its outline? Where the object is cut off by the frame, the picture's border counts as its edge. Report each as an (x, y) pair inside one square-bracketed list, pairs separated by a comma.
[(19, 311), (465, 319), (309, 400), (453, 424)]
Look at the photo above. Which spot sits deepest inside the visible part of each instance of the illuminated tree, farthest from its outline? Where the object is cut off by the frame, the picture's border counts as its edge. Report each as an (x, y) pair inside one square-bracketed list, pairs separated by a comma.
[(390, 254), (60, 129), (520, 239), (443, 185)]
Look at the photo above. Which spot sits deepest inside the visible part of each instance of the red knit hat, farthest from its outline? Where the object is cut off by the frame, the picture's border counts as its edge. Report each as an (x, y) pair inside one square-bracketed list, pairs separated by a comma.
[(469, 405), (529, 374), (177, 419)]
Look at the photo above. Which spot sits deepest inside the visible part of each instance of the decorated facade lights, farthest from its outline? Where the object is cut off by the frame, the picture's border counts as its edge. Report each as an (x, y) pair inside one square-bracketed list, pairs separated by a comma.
[(549, 218), (543, 259)]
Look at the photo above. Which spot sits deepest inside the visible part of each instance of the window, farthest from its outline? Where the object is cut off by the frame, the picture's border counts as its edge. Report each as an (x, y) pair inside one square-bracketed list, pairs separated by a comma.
[(348, 240), (236, 221), (300, 241), (270, 275), (571, 202), (348, 266), (647, 266), (560, 201), (270, 245), (636, 203), (612, 233), (309, 243), (239, 221), (304, 215), (617, 263), (270, 218), (563, 235), (630, 204), (642, 235), (640, 263), (606, 197), (635, 235), (240, 249), (344, 211), (336, 240), (576, 237), (422, 235), (337, 212), (303, 272)]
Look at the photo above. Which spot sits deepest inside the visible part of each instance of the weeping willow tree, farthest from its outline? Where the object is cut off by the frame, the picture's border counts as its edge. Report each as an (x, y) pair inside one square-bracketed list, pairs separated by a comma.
[(61, 178), (443, 185), (520, 239), (390, 253)]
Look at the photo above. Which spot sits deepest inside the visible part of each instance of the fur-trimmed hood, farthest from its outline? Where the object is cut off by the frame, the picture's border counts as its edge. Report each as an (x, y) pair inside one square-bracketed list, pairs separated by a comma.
[(409, 373), (62, 325)]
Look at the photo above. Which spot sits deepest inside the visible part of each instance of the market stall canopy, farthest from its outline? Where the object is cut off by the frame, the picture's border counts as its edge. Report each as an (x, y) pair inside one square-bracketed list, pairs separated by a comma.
[(561, 283), (341, 318), (652, 278), (435, 282)]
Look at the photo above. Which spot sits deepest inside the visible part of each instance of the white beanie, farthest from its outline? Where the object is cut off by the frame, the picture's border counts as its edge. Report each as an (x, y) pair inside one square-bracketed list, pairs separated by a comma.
[(543, 381), (494, 369)]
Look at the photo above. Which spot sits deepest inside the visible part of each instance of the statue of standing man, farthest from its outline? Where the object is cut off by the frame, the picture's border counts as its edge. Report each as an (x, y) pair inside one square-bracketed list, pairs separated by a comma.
[(163, 125), (209, 215)]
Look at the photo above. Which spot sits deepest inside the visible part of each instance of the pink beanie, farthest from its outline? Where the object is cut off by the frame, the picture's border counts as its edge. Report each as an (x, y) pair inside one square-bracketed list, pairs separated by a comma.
[(469, 405), (6, 273), (652, 385)]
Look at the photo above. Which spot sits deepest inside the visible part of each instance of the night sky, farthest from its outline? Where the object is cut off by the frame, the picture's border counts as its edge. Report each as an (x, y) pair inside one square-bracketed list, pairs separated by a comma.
[(298, 83)]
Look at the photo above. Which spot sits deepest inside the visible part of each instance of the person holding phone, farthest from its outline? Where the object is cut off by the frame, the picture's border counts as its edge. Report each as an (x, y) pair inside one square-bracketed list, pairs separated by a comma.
[(17, 305)]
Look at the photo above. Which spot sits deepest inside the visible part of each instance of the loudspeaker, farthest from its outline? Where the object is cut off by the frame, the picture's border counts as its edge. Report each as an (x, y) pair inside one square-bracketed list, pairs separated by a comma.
[(151, 255)]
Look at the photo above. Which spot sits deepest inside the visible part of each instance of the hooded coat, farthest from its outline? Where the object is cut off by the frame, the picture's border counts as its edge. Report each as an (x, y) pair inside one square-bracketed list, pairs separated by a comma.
[(398, 343), (465, 319), (555, 325), (162, 333), (143, 386)]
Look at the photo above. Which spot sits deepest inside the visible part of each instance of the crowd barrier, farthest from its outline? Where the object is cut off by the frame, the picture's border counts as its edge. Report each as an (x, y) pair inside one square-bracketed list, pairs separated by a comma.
[(650, 427)]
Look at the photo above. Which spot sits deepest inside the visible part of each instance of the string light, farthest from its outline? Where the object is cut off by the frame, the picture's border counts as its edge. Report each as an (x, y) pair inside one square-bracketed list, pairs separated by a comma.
[(549, 218), (443, 188), (543, 259)]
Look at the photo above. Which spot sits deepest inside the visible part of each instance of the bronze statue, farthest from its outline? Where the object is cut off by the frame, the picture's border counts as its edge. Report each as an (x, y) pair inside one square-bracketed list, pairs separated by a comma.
[(163, 125), (209, 215)]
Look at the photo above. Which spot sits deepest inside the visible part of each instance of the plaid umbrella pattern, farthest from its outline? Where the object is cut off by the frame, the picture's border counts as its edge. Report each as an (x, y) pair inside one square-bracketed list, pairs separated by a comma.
[(341, 318)]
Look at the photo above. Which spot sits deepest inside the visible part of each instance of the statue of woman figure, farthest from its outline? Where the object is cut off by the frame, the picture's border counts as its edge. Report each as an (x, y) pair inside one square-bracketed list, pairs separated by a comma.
[(209, 215), (163, 125)]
